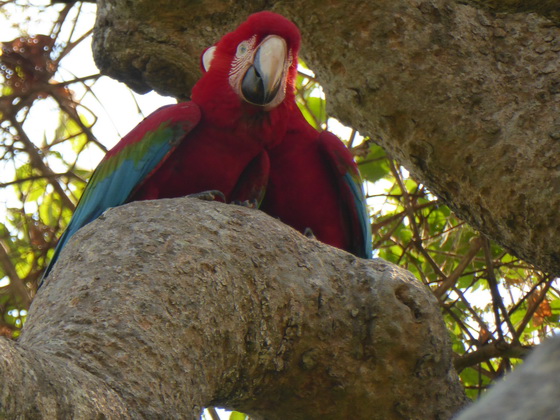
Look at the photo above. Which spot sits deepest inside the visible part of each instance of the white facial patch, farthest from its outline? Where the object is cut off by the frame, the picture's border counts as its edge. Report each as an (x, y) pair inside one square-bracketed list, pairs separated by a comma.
[(207, 57)]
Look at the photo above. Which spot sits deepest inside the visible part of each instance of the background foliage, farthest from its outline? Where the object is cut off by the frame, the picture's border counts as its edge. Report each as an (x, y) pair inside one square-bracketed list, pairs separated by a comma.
[(496, 306)]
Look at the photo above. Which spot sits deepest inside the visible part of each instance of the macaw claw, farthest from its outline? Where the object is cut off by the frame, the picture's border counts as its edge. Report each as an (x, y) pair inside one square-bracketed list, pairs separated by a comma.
[(251, 204), (210, 195), (308, 233)]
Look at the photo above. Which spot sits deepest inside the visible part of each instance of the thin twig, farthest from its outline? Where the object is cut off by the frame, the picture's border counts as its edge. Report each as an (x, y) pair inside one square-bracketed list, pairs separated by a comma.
[(497, 301), (450, 281), (533, 306), (16, 284), (213, 413), (38, 177), (490, 351), (37, 162)]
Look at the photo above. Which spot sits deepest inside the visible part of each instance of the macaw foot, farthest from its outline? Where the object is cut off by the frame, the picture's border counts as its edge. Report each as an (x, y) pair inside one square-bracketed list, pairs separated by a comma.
[(309, 233), (251, 204), (210, 195)]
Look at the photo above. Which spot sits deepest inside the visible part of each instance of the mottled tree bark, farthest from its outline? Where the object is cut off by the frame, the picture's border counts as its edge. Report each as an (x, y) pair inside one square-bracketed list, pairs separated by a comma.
[(466, 98), (160, 308), (548, 8)]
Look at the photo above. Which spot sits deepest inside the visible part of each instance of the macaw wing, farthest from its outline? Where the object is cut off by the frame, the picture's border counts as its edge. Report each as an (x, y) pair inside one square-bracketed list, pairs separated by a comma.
[(352, 194), (126, 166)]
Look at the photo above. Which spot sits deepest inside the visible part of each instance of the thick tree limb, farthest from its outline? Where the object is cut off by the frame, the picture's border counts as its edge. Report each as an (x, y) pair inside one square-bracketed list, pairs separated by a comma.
[(160, 308), (466, 99), (38, 385)]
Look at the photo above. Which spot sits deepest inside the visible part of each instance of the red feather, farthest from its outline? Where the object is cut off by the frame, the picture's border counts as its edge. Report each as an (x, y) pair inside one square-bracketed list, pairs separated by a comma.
[(308, 188)]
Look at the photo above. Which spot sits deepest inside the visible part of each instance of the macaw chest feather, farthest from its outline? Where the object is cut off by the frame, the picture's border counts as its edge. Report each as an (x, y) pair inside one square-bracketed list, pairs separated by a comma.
[(207, 161)]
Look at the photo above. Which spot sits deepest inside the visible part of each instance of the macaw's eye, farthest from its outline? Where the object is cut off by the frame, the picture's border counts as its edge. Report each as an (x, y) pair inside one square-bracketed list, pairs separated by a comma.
[(242, 49)]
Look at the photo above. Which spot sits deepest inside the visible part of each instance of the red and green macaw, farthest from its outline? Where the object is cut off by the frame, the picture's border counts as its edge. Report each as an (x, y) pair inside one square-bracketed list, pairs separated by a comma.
[(218, 141), (314, 184), (241, 128)]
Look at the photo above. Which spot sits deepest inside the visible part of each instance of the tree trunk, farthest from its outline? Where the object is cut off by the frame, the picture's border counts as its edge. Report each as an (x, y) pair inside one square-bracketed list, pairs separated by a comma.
[(466, 99), (160, 308)]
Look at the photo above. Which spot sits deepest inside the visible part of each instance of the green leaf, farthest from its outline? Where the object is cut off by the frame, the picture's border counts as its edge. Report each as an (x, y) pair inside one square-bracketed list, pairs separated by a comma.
[(308, 116), (375, 165), (69, 129), (49, 210), (317, 107), (236, 415)]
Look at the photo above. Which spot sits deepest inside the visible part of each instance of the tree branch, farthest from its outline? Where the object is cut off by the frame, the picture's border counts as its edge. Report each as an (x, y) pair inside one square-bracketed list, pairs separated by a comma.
[(37, 162), (490, 351), (229, 307), (16, 284), (450, 281)]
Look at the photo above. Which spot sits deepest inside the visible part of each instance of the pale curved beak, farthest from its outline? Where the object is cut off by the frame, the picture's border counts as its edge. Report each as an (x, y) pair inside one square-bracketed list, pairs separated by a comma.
[(263, 78)]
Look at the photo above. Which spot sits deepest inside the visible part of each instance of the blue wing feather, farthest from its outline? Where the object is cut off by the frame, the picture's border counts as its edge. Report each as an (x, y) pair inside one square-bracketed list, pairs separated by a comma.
[(129, 164), (350, 185), (359, 202)]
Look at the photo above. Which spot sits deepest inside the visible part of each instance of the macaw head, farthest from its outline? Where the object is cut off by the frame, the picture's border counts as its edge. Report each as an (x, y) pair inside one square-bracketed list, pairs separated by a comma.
[(255, 65)]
